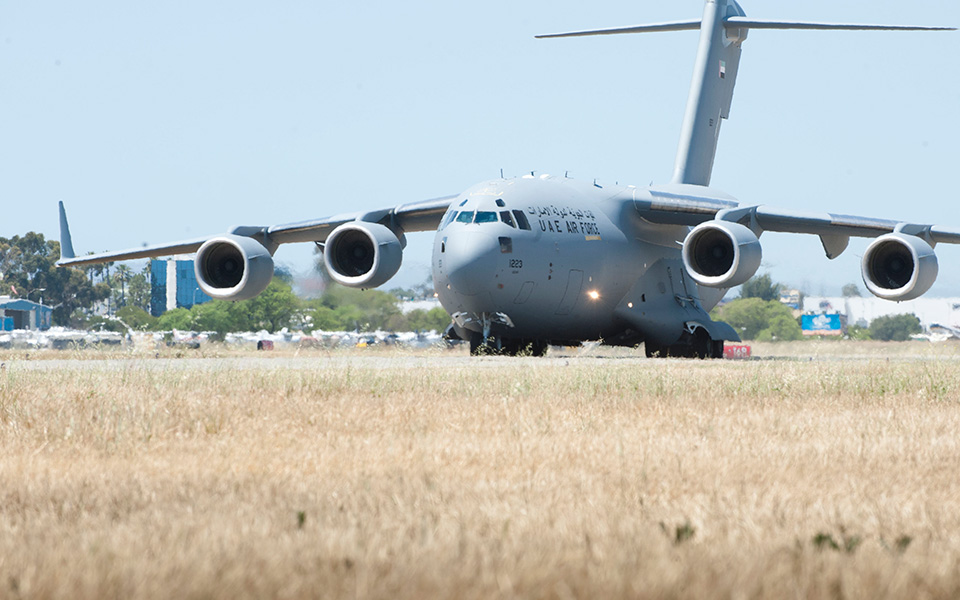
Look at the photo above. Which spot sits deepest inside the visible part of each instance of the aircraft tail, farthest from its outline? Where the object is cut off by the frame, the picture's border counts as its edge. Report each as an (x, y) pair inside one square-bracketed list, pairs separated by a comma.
[(66, 242), (723, 28)]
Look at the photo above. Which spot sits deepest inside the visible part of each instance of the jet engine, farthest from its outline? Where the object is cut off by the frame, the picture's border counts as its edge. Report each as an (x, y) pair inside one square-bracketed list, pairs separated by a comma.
[(233, 267), (362, 255), (899, 267), (721, 254)]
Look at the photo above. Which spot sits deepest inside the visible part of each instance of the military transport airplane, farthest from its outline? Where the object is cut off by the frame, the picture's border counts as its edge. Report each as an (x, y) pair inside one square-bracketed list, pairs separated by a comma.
[(526, 262)]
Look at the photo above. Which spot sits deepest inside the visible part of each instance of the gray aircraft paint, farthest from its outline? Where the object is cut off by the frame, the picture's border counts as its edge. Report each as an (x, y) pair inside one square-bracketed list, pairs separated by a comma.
[(629, 269), (606, 263)]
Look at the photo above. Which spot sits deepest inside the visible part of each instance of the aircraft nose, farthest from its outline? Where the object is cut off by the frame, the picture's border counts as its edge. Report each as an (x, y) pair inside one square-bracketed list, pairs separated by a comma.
[(471, 261)]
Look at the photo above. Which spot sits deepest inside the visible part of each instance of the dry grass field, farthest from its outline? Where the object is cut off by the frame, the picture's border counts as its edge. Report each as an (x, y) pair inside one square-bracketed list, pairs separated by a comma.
[(392, 474)]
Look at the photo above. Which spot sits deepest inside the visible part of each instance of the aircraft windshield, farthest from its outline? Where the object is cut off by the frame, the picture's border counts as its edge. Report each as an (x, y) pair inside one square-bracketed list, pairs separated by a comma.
[(465, 217), (486, 217), (448, 219)]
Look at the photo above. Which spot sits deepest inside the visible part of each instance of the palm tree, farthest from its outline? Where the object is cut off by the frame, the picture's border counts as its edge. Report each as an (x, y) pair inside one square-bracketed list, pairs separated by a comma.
[(123, 273)]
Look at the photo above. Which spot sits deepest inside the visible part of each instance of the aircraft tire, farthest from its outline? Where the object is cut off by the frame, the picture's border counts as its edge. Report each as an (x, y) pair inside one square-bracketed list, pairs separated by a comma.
[(716, 349)]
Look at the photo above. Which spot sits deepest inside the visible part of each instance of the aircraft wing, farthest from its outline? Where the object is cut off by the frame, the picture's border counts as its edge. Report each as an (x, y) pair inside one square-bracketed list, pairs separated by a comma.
[(691, 205), (418, 216)]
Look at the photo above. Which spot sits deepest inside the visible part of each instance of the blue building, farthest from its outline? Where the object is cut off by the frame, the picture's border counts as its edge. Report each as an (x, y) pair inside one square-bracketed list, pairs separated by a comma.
[(16, 313), (174, 285)]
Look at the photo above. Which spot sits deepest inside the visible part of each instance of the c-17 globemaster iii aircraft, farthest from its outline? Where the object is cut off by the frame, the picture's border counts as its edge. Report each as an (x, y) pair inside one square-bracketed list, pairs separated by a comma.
[(526, 262)]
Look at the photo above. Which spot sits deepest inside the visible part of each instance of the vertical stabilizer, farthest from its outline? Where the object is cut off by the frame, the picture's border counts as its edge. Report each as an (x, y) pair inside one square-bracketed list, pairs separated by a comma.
[(66, 243), (723, 29), (711, 92)]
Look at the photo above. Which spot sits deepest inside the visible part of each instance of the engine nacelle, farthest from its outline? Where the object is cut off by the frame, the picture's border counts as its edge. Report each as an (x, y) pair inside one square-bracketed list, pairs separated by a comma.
[(233, 267), (899, 267), (362, 255), (721, 254)]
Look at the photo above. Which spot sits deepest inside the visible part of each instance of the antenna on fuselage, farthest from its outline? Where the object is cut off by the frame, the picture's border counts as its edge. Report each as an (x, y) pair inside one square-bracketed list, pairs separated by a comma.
[(723, 28)]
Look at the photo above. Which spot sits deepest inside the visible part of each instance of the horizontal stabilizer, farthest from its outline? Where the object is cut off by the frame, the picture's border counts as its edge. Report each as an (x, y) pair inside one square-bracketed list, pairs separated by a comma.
[(656, 27), (747, 23)]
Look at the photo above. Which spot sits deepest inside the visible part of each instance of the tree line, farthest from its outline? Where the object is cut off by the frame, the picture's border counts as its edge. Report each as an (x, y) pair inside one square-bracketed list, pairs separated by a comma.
[(78, 296), (757, 314), (28, 270), (277, 307)]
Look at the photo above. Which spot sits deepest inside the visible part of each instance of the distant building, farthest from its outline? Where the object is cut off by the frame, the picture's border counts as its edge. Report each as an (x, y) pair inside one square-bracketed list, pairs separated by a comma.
[(16, 313), (861, 311), (791, 298), (174, 286)]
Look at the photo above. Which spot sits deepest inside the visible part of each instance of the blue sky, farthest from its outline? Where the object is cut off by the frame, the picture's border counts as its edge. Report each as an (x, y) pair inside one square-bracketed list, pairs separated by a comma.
[(159, 121)]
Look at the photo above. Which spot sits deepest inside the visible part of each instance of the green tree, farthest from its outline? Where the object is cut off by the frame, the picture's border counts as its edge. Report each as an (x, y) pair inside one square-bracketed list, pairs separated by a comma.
[(367, 310), (136, 318), (28, 264), (124, 273), (781, 326), (138, 292), (754, 318), (856, 332), (178, 318), (435, 319), (220, 316), (273, 309), (762, 287), (895, 328)]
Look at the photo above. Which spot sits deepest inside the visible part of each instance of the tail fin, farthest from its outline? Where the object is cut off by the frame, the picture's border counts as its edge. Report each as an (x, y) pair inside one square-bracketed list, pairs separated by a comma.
[(723, 29), (711, 92), (66, 243)]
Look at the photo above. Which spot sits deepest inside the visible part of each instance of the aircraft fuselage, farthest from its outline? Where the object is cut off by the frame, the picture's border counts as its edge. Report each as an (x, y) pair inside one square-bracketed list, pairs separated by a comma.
[(554, 258)]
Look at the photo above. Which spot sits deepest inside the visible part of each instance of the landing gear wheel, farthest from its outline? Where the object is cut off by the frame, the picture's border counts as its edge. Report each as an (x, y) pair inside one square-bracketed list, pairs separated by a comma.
[(486, 347), (716, 350)]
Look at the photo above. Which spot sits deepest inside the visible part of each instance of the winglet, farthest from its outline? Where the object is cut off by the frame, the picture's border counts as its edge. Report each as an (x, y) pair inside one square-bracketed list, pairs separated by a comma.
[(66, 243)]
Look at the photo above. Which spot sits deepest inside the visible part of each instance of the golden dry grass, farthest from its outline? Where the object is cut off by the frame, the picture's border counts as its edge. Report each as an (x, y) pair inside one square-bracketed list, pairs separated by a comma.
[(441, 476)]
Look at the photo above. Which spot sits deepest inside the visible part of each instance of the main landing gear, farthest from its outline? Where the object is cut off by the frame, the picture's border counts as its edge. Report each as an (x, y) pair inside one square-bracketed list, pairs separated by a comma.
[(496, 346), (700, 346)]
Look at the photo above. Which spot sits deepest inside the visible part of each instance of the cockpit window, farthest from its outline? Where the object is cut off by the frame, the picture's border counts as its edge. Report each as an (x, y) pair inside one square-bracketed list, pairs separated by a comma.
[(506, 218), (465, 217), (484, 216), (500, 203), (450, 216), (522, 221)]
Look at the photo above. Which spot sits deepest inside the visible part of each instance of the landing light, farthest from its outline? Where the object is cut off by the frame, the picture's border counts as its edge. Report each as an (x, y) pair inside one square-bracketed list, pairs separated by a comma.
[(594, 294)]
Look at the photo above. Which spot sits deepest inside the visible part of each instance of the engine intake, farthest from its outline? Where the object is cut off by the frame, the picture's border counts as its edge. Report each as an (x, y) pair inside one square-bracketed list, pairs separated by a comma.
[(362, 255), (899, 267), (721, 254), (233, 267)]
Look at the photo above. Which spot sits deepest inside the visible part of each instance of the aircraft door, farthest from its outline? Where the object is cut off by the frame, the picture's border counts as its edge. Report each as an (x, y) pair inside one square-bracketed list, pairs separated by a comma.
[(572, 294)]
